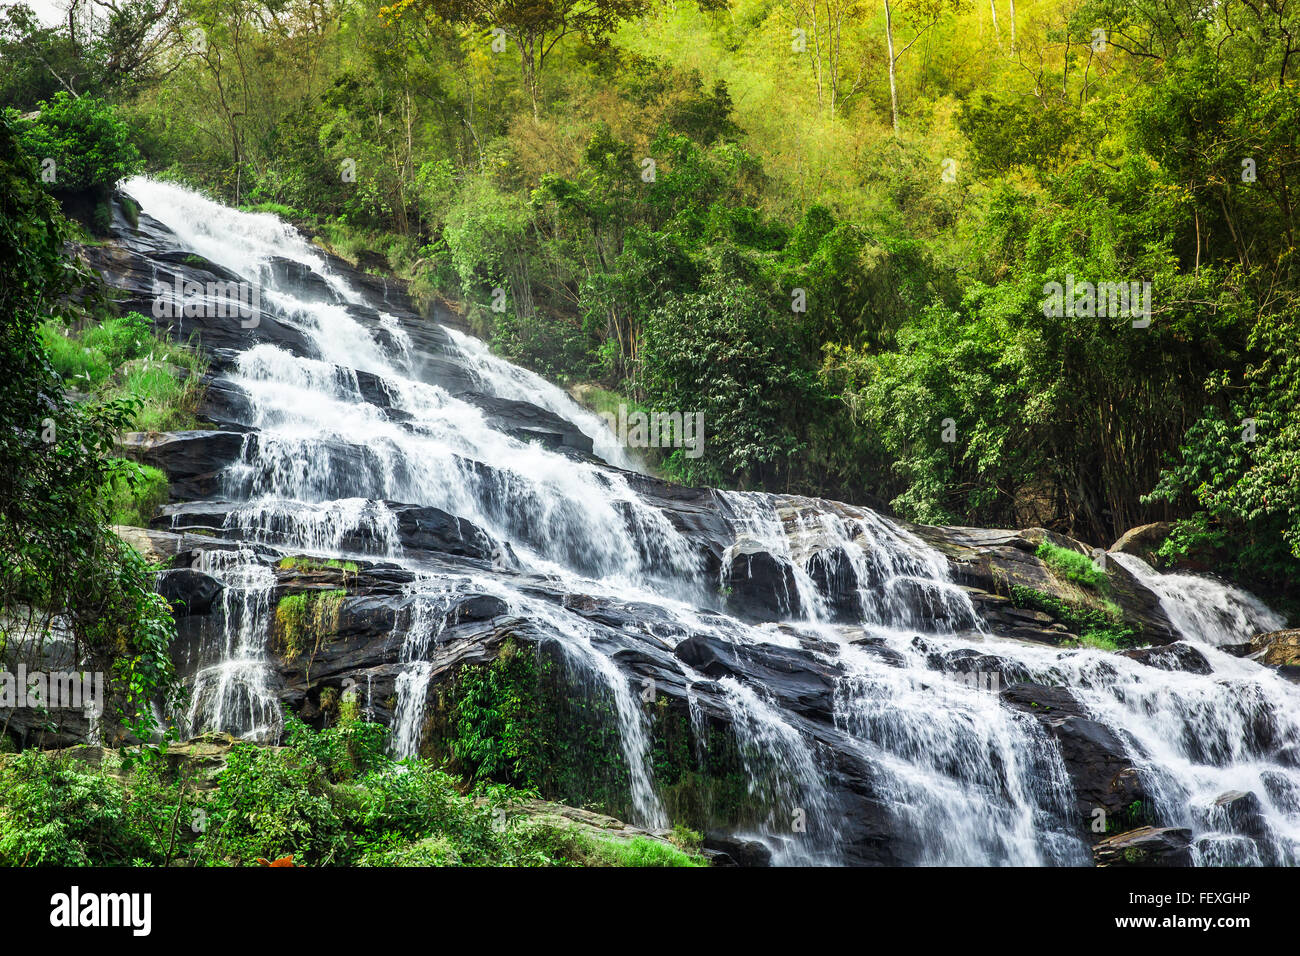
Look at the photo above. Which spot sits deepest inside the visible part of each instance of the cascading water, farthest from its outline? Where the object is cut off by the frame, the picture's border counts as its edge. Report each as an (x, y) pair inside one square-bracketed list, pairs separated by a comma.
[(234, 692), (427, 617), (1202, 608), (868, 617)]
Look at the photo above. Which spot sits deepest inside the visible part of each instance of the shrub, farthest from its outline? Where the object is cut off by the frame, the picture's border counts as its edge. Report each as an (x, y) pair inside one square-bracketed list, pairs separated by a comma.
[(1073, 566), (56, 812), (88, 142), (133, 494)]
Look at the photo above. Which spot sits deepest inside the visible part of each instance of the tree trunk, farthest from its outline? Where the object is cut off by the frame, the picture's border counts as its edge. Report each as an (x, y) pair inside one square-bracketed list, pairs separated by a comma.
[(1013, 26), (893, 83), (993, 9)]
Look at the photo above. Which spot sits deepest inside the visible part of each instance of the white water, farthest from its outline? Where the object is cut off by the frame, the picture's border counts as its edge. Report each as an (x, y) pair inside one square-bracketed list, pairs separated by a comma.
[(1203, 609), (235, 692), (963, 776)]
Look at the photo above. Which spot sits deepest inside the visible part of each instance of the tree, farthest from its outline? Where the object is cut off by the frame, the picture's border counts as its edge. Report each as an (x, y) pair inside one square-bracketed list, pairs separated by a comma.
[(101, 47), (823, 23), (921, 16), (725, 353), (58, 560), (85, 140), (536, 26)]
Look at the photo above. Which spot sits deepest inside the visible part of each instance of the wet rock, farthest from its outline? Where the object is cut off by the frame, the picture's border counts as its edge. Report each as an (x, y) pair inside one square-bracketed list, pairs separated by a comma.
[(189, 591), (986, 671), (1097, 761), (1146, 846), (761, 586), (225, 405), (789, 673), (993, 561), (1179, 656), (419, 529), (1239, 812), (741, 851), (139, 269), (300, 281), (1277, 648), (192, 460), (530, 422), (432, 529), (832, 572)]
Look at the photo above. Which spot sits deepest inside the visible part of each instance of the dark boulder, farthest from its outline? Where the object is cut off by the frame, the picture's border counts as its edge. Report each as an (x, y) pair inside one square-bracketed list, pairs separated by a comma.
[(192, 460), (1179, 656), (833, 573), (740, 851), (789, 673), (1097, 761), (761, 586), (1239, 812), (189, 591), (1146, 846)]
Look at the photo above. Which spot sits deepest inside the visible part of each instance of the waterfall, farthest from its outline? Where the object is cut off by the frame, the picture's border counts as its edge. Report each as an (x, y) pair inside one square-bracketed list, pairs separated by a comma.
[(235, 693), (427, 617), (1202, 608), (851, 705)]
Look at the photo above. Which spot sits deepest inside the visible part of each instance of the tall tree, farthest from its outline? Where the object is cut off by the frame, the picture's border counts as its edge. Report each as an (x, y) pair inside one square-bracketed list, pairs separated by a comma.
[(536, 26)]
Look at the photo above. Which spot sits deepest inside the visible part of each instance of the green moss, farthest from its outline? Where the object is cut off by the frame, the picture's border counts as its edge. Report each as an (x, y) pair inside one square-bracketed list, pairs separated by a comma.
[(131, 210), (1073, 566), (303, 621), (304, 563)]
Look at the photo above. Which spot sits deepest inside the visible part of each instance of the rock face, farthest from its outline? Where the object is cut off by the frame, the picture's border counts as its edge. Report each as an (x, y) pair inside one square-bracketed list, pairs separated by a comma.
[(1172, 657), (761, 585), (1099, 764), (994, 562), (189, 591)]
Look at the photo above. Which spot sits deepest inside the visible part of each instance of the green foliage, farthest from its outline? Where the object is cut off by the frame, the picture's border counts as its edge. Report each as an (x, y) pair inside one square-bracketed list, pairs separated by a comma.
[(639, 852), (55, 811), (134, 494), (87, 140), (303, 621), (56, 552), (495, 713), (122, 359), (331, 797), (1101, 627), (721, 352)]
